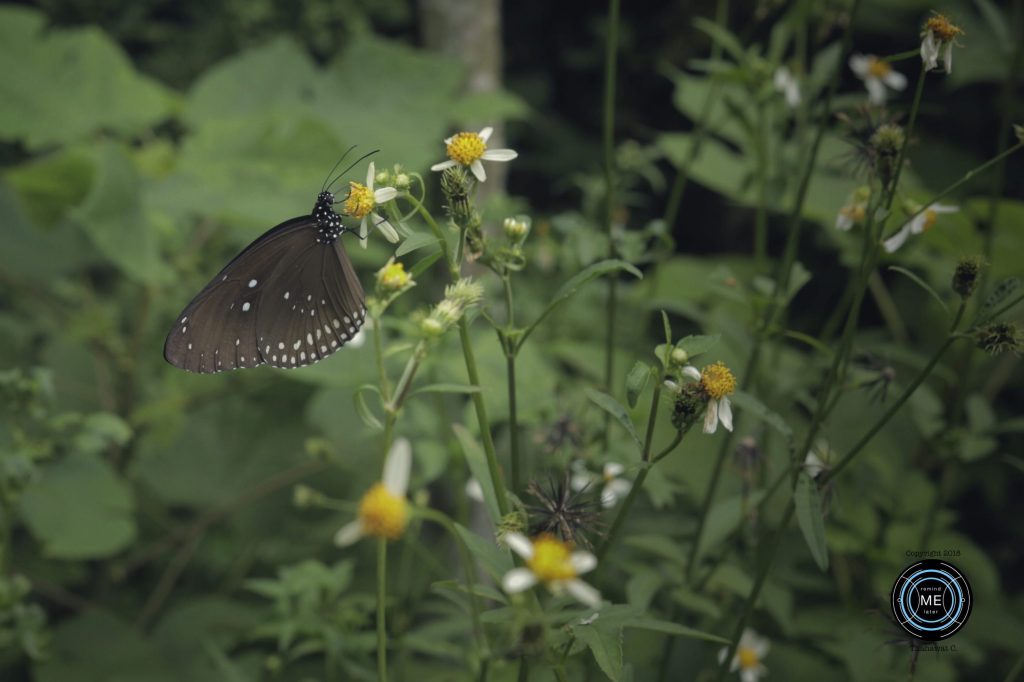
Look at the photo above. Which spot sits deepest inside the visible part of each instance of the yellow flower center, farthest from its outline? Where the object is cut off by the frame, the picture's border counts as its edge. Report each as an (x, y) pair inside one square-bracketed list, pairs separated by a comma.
[(607, 477), (393, 277), (717, 381), (854, 212), (465, 148), (929, 219), (878, 68), (360, 200), (551, 559), (942, 28), (748, 658), (383, 514)]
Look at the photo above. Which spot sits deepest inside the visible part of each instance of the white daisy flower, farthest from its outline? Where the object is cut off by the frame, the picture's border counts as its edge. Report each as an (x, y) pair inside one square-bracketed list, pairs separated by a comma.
[(718, 383), (469, 149), (788, 85), (854, 211), (877, 76), (552, 562), (938, 36), (612, 487), (361, 202), (383, 510), (747, 659), (919, 224)]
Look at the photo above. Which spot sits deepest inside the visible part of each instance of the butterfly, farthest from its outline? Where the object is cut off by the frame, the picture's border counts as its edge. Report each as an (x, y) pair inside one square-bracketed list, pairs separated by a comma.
[(289, 299)]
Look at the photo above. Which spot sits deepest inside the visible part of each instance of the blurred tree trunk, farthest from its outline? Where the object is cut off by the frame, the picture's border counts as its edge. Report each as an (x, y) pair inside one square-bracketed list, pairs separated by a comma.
[(470, 31)]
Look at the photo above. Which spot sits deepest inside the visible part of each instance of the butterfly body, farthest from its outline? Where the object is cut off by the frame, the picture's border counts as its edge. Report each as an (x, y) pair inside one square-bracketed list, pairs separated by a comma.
[(289, 299)]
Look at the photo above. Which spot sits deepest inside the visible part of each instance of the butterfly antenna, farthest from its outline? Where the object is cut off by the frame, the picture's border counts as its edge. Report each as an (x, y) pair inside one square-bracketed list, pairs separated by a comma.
[(323, 186), (353, 165)]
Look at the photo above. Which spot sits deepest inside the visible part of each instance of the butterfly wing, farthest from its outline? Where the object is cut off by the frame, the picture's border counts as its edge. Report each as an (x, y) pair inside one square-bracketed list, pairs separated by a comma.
[(315, 306), (284, 286)]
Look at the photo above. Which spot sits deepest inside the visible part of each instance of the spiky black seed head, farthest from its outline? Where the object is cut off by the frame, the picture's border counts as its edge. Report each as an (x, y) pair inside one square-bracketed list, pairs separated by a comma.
[(688, 405), (573, 516), (999, 337), (965, 277)]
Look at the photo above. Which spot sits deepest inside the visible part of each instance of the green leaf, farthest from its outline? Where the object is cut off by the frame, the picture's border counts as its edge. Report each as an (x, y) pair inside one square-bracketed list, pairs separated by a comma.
[(364, 411), (496, 561), (810, 517), (1003, 291), (63, 85), (605, 644), (80, 509), (477, 460), (569, 289), (491, 106), (698, 344), (675, 629), (615, 409), (463, 389), (636, 381), (921, 283), (723, 38), (415, 241), (749, 404)]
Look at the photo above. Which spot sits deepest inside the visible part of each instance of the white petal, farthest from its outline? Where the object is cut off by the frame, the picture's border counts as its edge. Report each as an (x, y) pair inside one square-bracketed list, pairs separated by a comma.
[(813, 464), (671, 385), (692, 372), (876, 91), (386, 228), (895, 80), (711, 417), (944, 208), (518, 580), (613, 469), (929, 52), (362, 232), (444, 164), (750, 674), (844, 222), (859, 64), (499, 155), (608, 497), (581, 481), (518, 543), (793, 95), (896, 241), (918, 223), (478, 170), (781, 78), (369, 176), (396, 467), (384, 195), (357, 340), (584, 593), (348, 534), (620, 487), (583, 562), (474, 490), (947, 58), (485, 134), (725, 412)]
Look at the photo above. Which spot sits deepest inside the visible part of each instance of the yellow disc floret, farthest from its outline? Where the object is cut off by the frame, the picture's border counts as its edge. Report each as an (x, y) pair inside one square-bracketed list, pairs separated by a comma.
[(942, 28), (551, 560), (393, 277), (929, 219), (717, 381), (748, 658), (878, 68), (360, 200), (854, 212), (382, 513), (465, 148)]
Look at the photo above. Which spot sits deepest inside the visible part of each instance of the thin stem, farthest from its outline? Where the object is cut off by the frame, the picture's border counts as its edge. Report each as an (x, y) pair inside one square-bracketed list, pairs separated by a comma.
[(382, 595), (511, 349), (608, 138), (378, 351)]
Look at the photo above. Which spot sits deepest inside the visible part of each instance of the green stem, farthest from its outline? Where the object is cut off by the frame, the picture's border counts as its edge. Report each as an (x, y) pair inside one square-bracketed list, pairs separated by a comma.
[(482, 419), (627, 503), (382, 594), (511, 349), (378, 350), (761, 216), (608, 138), (405, 382)]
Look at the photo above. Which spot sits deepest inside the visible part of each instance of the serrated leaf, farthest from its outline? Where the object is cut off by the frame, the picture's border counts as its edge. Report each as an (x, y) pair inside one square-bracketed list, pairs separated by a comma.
[(810, 518), (698, 344), (615, 409), (606, 646), (636, 381)]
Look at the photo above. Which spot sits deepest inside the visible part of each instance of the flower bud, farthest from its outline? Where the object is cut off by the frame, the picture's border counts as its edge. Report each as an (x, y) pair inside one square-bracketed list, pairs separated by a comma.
[(516, 229), (304, 497), (431, 327), (393, 278), (679, 357), (402, 181), (965, 277), (382, 177), (464, 292)]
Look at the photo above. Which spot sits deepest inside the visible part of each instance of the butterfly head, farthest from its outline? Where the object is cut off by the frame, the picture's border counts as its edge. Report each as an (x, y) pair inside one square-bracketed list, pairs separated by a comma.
[(328, 222)]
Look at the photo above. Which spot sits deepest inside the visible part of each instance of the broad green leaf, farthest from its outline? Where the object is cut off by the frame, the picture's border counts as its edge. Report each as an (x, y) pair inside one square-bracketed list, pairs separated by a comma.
[(723, 38), (477, 461), (749, 404), (810, 517), (415, 241), (698, 344), (615, 409), (79, 509), (569, 289), (61, 85), (636, 381), (675, 629), (496, 561), (605, 644)]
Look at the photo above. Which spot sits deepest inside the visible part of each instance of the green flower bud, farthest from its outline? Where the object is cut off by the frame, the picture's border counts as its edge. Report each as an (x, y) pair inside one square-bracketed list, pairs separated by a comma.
[(679, 357)]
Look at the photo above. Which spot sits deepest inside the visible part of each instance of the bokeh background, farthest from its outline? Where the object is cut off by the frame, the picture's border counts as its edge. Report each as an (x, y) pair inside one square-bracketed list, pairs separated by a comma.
[(148, 524)]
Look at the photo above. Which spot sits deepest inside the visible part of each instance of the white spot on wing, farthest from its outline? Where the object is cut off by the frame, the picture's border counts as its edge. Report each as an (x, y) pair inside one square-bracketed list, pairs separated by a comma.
[(309, 339), (252, 283), (281, 345), (336, 323), (246, 306), (297, 344), (286, 295)]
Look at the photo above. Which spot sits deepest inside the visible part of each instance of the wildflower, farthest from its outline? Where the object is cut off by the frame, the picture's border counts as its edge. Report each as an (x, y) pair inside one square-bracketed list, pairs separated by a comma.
[(612, 487), (718, 383), (469, 149), (458, 297), (393, 278), (363, 199), (569, 513), (920, 223), (383, 510), (877, 76), (552, 562), (965, 277), (747, 659), (938, 35), (785, 83), (516, 229), (855, 211)]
